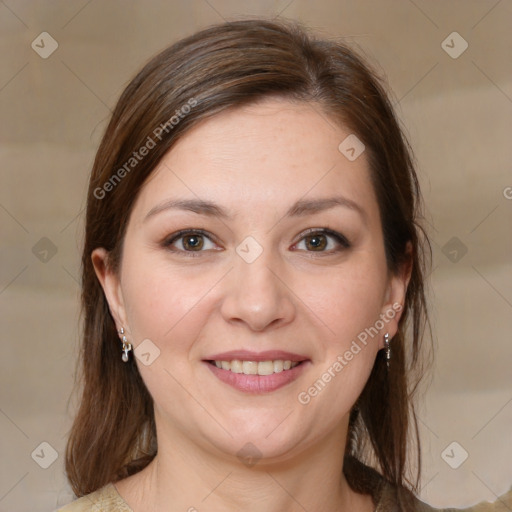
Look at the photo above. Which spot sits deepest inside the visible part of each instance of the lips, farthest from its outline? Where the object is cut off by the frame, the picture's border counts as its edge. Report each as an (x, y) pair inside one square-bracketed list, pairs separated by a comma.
[(253, 381), (247, 355)]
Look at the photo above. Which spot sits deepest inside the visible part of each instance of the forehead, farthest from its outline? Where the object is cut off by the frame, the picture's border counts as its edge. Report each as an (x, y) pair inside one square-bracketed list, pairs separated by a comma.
[(273, 153)]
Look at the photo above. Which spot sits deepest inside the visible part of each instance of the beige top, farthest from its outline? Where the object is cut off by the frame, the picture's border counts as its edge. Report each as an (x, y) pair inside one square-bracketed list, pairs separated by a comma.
[(107, 499)]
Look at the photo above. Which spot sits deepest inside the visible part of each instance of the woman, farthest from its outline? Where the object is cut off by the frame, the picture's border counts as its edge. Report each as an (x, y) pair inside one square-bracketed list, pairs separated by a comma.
[(253, 256)]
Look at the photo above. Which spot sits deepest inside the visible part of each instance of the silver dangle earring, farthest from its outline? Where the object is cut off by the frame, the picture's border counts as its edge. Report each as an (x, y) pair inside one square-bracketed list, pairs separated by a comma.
[(388, 349), (127, 347)]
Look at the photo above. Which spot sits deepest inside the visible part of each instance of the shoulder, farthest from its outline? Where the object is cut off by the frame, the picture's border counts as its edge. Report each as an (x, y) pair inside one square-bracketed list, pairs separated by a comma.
[(106, 499), (388, 500), (365, 479), (502, 504)]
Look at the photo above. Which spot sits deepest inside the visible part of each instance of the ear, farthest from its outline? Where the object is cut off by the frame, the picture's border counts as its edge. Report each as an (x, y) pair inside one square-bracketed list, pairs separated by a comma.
[(111, 285), (395, 296)]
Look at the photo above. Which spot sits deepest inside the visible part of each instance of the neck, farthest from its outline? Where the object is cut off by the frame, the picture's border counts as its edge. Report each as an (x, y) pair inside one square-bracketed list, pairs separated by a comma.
[(192, 478)]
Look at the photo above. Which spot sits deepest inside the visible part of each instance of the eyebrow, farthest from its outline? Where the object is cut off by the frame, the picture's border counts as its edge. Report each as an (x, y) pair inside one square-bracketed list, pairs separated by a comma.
[(299, 209)]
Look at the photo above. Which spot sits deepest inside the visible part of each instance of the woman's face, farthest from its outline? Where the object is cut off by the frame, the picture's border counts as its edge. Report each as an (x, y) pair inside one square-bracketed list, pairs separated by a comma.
[(275, 255)]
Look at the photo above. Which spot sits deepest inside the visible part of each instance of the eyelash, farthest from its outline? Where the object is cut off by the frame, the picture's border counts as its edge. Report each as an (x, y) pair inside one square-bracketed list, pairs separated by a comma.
[(342, 240)]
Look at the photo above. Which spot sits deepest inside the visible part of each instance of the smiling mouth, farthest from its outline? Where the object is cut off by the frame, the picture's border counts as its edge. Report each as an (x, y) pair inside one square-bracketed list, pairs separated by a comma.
[(256, 367)]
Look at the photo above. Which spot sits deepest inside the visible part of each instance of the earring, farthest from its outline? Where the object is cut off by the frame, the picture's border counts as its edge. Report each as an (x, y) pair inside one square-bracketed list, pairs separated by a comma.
[(388, 349), (126, 346)]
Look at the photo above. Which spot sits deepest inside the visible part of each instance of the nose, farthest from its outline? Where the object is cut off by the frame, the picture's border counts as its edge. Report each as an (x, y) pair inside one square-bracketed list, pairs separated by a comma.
[(258, 296)]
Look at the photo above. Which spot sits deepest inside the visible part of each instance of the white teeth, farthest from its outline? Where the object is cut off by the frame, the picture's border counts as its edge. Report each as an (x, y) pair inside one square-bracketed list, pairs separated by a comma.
[(278, 366), (256, 368), (265, 368), (236, 366), (249, 367)]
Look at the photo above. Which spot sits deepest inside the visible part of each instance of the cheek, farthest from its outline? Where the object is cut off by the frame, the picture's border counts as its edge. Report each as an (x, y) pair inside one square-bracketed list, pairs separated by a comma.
[(348, 300), (349, 305), (159, 299)]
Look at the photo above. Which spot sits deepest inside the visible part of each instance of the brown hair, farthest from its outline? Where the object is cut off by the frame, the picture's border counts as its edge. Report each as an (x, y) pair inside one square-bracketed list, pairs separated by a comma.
[(222, 67)]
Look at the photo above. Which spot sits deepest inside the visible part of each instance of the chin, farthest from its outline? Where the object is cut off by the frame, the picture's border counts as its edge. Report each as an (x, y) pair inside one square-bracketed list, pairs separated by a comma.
[(260, 444)]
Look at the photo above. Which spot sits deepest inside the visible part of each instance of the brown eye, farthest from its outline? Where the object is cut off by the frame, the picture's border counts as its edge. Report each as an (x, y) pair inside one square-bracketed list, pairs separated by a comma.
[(193, 242), (188, 242), (320, 240), (316, 242)]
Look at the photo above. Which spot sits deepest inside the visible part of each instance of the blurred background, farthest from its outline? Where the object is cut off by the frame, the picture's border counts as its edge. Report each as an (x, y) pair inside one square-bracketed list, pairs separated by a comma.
[(64, 65)]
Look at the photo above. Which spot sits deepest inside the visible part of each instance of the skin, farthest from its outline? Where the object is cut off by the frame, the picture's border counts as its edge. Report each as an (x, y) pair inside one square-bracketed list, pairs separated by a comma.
[(255, 162)]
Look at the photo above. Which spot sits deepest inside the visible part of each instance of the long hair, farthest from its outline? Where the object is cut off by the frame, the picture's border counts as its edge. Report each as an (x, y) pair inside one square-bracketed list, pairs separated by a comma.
[(223, 67)]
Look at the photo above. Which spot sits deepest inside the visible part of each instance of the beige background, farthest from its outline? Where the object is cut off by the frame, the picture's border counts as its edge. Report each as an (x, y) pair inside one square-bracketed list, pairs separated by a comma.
[(458, 115)]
